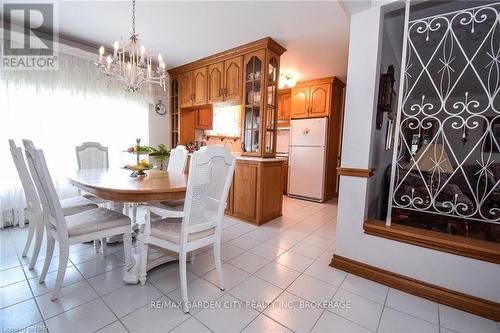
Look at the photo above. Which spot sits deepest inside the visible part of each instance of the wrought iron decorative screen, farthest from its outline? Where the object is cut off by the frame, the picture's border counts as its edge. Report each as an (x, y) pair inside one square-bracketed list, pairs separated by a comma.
[(448, 156)]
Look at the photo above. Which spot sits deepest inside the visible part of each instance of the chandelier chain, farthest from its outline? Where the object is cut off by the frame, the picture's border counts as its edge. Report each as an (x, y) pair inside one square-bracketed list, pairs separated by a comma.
[(133, 17)]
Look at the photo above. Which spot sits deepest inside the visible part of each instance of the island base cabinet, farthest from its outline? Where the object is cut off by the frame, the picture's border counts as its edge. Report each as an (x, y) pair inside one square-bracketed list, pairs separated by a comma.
[(256, 194)]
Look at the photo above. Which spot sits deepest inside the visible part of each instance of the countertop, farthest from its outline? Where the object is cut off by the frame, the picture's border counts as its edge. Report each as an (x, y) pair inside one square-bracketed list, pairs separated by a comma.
[(257, 159)]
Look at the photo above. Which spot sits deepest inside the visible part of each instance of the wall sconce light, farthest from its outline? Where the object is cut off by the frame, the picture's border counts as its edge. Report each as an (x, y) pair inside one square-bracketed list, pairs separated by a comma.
[(287, 80)]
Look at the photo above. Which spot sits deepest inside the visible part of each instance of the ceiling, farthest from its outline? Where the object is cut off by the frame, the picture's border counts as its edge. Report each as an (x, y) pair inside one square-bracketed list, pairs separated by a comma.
[(315, 34)]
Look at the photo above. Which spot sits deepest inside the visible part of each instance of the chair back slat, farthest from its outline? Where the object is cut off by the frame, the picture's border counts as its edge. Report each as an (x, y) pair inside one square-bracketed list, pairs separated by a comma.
[(30, 192), (53, 212), (177, 160), (210, 175), (92, 155)]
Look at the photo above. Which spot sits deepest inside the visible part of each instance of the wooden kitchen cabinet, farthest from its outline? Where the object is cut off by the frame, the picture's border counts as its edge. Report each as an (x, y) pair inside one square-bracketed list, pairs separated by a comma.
[(256, 194), (200, 86), (233, 79), (204, 118), (312, 99), (285, 176), (186, 89), (284, 105), (216, 82)]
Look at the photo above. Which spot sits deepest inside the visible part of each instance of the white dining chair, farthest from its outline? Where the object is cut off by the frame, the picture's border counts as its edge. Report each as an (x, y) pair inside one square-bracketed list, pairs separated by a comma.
[(33, 206), (86, 226), (210, 175), (177, 160)]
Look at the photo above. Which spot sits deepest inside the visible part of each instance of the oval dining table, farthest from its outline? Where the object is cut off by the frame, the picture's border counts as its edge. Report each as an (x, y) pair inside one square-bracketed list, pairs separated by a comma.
[(116, 185)]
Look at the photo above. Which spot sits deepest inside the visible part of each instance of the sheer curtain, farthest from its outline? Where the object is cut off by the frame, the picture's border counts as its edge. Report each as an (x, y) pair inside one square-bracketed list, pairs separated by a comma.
[(59, 110)]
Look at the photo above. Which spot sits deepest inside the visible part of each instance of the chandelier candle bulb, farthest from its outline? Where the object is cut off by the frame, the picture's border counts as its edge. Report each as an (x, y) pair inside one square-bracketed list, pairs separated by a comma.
[(116, 46), (101, 53)]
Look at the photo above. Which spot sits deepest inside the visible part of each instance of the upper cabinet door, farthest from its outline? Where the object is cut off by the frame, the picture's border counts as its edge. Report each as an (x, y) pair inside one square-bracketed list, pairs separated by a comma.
[(300, 102), (233, 79), (200, 86), (186, 89), (319, 100), (284, 106), (215, 82)]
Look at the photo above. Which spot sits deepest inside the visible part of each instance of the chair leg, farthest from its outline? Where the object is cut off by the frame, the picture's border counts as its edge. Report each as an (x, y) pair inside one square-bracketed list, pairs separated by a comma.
[(143, 261), (183, 278), (127, 249), (134, 213), (48, 257), (61, 270), (104, 246), (218, 264), (97, 245), (38, 245), (31, 232)]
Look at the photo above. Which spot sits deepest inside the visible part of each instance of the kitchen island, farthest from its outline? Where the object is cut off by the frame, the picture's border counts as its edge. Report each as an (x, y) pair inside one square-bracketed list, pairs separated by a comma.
[(256, 194)]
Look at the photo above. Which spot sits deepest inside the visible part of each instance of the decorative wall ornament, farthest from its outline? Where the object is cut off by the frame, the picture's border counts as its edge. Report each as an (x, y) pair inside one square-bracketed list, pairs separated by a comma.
[(447, 161)]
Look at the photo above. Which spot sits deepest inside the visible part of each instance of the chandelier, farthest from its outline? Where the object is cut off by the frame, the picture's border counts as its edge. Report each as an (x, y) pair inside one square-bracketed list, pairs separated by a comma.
[(130, 64)]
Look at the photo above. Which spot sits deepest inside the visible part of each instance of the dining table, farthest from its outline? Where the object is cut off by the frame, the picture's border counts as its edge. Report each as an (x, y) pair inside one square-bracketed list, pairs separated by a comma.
[(117, 185)]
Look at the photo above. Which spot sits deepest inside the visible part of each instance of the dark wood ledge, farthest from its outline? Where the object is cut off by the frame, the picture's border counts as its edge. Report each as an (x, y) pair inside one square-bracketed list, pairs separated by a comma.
[(467, 247), (355, 172), (472, 304)]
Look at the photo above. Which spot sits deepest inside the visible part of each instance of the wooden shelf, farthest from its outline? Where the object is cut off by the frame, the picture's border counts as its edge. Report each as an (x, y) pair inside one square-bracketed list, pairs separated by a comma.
[(467, 247)]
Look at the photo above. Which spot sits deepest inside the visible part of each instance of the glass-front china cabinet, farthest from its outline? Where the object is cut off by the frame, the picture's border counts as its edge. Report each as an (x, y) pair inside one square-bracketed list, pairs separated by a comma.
[(261, 73), (174, 106)]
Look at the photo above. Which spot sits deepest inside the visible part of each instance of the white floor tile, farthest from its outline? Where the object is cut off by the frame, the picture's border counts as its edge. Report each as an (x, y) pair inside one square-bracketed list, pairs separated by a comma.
[(166, 277), (232, 276), (312, 289), (19, 316), (264, 232), (236, 317), (294, 261), (332, 323), (366, 288), (11, 275), (296, 317), (245, 242), (249, 262), (395, 321), (265, 324), (229, 251), (14, 293), (88, 317), (277, 274), (7, 262), (71, 276), (99, 266), (131, 297), (307, 250), (267, 251), (84, 254), (324, 272), (69, 298), (361, 311), (115, 327), (108, 282), (198, 290), (464, 322), (37, 270), (201, 264), (319, 241), (151, 319), (257, 291), (284, 242), (192, 325), (413, 305)]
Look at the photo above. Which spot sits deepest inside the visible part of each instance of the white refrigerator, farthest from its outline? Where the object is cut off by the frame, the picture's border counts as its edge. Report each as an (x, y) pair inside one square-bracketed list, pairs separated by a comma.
[(307, 158)]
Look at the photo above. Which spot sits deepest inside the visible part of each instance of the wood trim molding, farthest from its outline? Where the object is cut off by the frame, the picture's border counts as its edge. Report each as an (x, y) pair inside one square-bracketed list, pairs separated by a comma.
[(355, 172), (263, 43), (331, 79), (472, 304), (467, 247)]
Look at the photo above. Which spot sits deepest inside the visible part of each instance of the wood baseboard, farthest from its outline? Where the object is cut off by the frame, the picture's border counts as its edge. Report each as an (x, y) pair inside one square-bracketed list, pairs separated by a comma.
[(467, 247), (472, 304), (355, 172)]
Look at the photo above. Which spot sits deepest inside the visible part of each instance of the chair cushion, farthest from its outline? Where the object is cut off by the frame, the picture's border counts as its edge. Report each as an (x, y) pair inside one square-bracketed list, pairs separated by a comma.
[(76, 205), (175, 205), (95, 220), (170, 229)]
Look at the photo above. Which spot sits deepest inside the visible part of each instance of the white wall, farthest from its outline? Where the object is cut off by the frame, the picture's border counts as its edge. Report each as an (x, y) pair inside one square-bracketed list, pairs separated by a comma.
[(470, 276), (159, 126)]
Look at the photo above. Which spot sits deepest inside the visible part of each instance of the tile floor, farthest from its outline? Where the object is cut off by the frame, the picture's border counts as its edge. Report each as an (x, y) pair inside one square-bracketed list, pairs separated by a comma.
[(285, 261)]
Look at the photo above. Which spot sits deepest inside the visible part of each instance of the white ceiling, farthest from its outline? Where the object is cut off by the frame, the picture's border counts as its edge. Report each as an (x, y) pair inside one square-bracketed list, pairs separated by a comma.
[(315, 34)]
